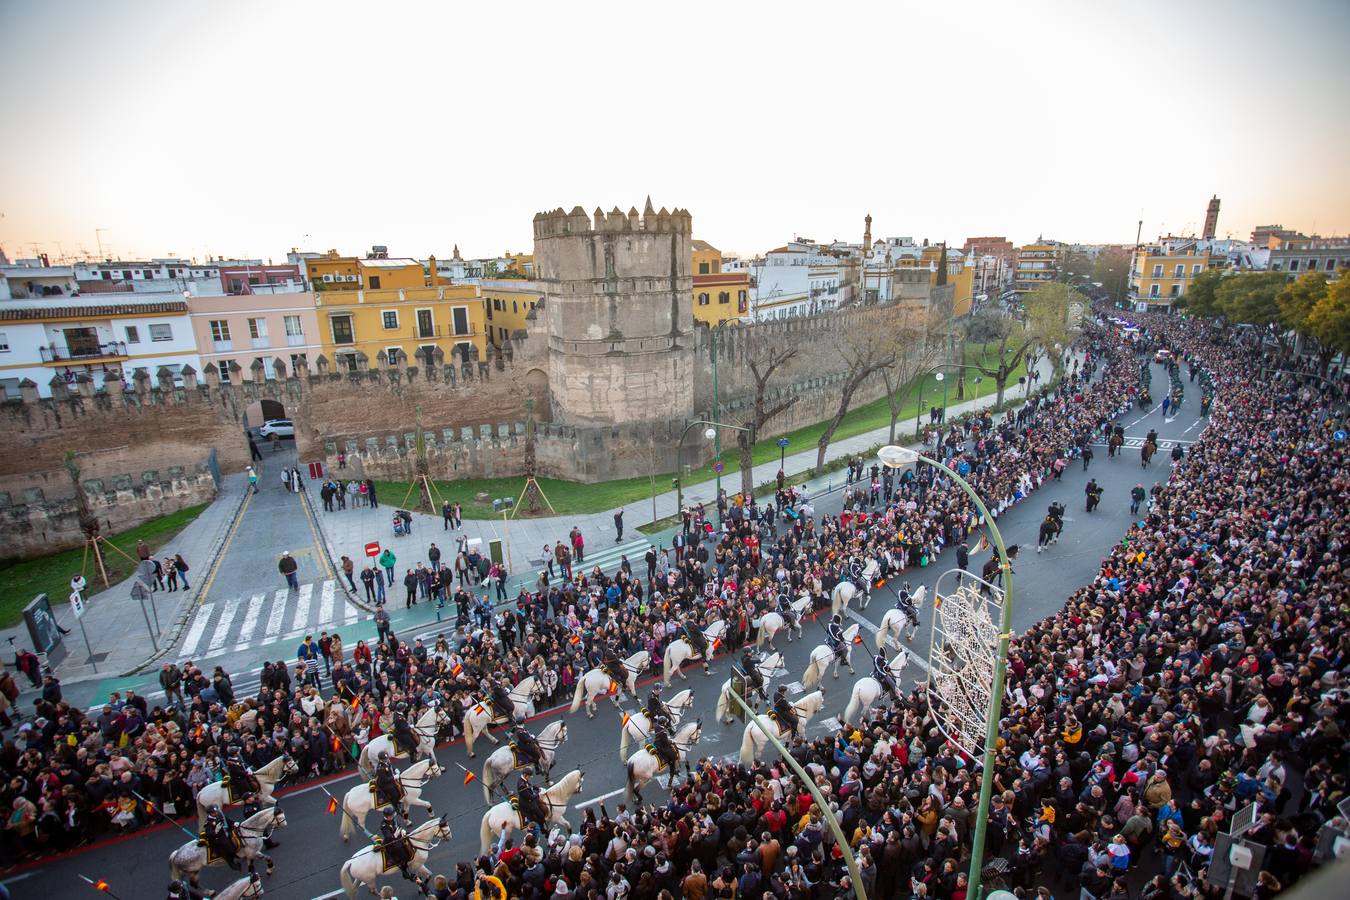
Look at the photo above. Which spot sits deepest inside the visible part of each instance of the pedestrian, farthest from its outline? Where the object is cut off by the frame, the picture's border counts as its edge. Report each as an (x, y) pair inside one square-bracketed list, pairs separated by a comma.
[(962, 555), (288, 567), (1137, 495), (578, 545), (342, 460), (172, 574), (1087, 456), (370, 494), (253, 479), (410, 583), (387, 560), (181, 567), (382, 630), (253, 452), (171, 681), (447, 515), (459, 515), (368, 581), (348, 567), (618, 526)]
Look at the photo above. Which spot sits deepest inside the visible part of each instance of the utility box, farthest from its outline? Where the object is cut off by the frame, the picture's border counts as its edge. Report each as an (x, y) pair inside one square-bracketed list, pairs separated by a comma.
[(495, 551)]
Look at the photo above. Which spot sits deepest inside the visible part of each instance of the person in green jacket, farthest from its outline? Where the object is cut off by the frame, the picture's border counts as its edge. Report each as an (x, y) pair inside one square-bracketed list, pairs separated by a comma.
[(387, 560)]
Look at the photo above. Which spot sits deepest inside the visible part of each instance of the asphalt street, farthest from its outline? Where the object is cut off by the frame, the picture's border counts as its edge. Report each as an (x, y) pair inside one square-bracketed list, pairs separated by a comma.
[(311, 851)]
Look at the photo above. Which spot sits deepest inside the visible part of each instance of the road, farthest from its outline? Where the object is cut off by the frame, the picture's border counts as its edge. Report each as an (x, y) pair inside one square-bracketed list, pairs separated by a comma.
[(310, 851)]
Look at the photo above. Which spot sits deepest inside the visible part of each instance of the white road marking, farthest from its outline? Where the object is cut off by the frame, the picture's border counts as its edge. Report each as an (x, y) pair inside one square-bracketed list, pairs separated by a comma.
[(301, 618), (194, 635), (250, 621), (223, 626), (328, 895), (594, 800), (353, 613), (326, 598), (1192, 425), (913, 657), (278, 614)]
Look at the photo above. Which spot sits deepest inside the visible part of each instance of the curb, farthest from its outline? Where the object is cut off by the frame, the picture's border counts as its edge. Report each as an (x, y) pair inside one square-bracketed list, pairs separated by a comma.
[(331, 555)]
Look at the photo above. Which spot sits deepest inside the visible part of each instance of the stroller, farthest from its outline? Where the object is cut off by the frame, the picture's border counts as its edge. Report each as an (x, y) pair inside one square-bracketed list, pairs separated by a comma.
[(402, 523)]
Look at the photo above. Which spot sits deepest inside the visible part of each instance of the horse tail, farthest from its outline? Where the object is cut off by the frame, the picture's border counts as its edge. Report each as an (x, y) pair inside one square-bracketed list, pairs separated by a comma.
[(363, 761), (624, 741), (579, 693), (812, 676), (175, 873), (748, 746), (665, 663), (853, 704), (629, 794), (721, 705), (346, 825), (487, 780), (348, 882), (883, 633), (485, 833)]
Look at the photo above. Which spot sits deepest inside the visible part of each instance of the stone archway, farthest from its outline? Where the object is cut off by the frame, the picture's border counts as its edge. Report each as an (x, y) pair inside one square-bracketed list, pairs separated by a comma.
[(260, 411)]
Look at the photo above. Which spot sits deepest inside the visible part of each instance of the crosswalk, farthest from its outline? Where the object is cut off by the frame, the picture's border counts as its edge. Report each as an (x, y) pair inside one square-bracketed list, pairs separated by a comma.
[(238, 623), (609, 557)]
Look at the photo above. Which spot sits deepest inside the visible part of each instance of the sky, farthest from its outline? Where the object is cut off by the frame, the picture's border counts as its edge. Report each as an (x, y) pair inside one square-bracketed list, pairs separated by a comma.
[(179, 127)]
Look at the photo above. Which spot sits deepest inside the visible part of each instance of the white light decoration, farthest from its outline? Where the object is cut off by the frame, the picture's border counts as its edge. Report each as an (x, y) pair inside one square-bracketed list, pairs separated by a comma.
[(961, 664)]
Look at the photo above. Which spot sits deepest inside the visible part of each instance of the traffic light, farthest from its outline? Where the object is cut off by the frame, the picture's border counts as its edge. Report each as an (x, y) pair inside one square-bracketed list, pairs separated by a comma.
[(675, 484)]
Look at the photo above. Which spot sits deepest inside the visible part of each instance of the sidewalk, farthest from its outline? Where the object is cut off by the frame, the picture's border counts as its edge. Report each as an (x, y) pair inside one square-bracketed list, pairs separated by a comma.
[(117, 629), (347, 532)]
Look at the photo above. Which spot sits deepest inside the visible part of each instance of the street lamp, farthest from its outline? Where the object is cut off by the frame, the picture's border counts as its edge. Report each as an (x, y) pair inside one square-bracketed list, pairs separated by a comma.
[(712, 433), (898, 457)]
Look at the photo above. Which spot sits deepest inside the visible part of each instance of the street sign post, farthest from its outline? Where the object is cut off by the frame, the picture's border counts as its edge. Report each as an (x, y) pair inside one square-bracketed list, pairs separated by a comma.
[(373, 549), (77, 607), (782, 451)]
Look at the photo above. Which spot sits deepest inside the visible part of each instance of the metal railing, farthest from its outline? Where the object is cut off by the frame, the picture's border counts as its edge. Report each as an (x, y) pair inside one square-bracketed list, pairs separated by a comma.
[(53, 353)]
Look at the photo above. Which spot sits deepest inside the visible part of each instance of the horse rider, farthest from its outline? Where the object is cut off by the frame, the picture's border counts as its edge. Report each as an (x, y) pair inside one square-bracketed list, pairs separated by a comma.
[(527, 746), (500, 696), (530, 802), (405, 739), (242, 782), (386, 786), (904, 601), (1056, 512), (612, 664), (656, 707), (881, 671), (662, 744), (395, 844), (785, 609), (694, 635), (222, 836), (785, 711), (1046, 534), (182, 890), (835, 633), (754, 681)]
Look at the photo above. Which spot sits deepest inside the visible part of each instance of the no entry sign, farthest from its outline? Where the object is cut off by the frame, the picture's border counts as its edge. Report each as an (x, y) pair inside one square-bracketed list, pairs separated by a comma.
[(373, 549)]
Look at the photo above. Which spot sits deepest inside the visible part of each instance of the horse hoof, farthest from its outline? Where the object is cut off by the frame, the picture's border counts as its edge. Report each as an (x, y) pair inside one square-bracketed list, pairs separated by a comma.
[(472, 755)]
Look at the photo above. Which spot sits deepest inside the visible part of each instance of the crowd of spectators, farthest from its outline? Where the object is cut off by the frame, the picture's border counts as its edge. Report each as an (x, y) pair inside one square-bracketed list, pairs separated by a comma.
[(1201, 670)]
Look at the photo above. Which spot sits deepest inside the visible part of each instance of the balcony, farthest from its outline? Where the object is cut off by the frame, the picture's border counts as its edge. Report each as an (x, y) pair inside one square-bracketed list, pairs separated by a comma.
[(51, 353)]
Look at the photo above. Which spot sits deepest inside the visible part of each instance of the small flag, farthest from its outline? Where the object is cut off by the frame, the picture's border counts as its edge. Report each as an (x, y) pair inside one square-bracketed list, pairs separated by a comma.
[(857, 639), (478, 710), (332, 806), (717, 643), (149, 808), (881, 583), (356, 701), (575, 639), (337, 744), (456, 670), (613, 687), (468, 777), (937, 600), (626, 717)]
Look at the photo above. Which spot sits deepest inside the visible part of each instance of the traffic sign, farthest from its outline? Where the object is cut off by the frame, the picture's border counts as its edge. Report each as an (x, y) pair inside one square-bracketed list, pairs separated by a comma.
[(718, 467), (783, 442), (77, 604), (1340, 436), (373, 549)]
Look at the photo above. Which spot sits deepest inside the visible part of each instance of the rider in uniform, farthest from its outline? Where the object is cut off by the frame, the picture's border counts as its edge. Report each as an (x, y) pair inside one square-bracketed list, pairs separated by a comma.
[(182, 890), (661, 742), (784, 710), (786, 611), (500, 694), (221, 835), (404, 739), (695, 636), (754, 681), (835, 630), (395, 844), (530, 802), (527, 747), (656, 707), (242, 783), (612, 663), (881, 671), (387, 788)]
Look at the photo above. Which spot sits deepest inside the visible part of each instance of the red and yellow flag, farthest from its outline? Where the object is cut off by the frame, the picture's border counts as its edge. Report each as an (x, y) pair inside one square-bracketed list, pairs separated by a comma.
[(468, 777), (626, 717), (332, 806), (456, 670)]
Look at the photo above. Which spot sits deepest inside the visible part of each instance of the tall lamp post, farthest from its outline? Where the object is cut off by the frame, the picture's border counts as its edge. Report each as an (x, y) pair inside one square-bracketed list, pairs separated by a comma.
[(899, 457), (711, 433)]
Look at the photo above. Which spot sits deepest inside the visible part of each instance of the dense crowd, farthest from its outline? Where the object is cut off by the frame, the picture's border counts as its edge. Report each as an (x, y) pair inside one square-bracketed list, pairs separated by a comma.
[(1201, 670)]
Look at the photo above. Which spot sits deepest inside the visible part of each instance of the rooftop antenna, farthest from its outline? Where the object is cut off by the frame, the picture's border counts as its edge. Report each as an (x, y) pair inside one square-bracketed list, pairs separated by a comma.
[(98, 235)]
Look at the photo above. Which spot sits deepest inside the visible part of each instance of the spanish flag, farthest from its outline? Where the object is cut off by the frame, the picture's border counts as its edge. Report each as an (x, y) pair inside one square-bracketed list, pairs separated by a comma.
[(149, 808), (937, 600), (332, 806), (356, 702), (613, 687), (626, 717), (575, 639), (454, 673), (468, 777), (337, 744), (857, 639)]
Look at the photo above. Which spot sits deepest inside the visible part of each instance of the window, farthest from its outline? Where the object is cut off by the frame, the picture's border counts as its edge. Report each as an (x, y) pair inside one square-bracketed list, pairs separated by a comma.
[(1179, 271), (391, 353), (724, 297), (293, 327), (147, 274), (220, 330), (1293, 265), (374, 282), (461, 351), (740, 301), (390, 319), (1176, 290), (126, 274), (703, 268), (1154, 289), (342, 332), (461, 321), (299, 362), (257, 328), (133, 334), (347, 361), (1157, 270), (428, 354), (1331, 265), (1312, 265), (107, 276), (426, 324), (515, 306), (702, 299), (161, 332), (4, 342), (1195, 269), (497, 304)]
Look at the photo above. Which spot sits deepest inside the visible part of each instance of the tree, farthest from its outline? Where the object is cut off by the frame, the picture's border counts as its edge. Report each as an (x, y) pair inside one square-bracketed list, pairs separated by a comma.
[(1045, 324), (1111, 270), (1201, 299), (918, 346), (1249, 298), (1297, 299), (765, 358), (941, 278), (864, 351), (1329, 321)]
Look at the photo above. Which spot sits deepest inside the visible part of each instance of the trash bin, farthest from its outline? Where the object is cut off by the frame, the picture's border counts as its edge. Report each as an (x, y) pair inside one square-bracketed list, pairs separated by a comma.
[(495, 551)]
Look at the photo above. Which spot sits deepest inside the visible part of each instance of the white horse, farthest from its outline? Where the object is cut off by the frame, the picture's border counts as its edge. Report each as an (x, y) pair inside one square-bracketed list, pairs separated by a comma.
[(360, 800), (502, 761), (597, 682), (189, 860), (503, 818), (822, 655), (896, 621), (246, 888), (644, 765), (752, 744), (428, 724), (680, 651), (858, 581), (366, 867), (481, 716), (639, 726), (217, 794), (773, 622), (868, 689), (769, 667)]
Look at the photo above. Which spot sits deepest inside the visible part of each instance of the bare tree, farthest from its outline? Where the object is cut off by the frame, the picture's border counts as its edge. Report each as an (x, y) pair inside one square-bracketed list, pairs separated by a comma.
[(1044, 323), (918, 344), (864, 351), (765, 358)]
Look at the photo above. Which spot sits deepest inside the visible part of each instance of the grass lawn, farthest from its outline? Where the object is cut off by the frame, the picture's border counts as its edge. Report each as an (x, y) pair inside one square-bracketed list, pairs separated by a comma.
[(22, 580), (575, 497)]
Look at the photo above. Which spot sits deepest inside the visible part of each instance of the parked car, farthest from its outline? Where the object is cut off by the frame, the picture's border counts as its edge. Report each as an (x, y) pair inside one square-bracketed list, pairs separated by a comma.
[(1162, 356), (283, 428)]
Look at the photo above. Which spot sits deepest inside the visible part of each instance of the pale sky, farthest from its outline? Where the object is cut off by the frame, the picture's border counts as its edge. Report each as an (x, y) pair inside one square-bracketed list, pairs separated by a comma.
[(246, 128)]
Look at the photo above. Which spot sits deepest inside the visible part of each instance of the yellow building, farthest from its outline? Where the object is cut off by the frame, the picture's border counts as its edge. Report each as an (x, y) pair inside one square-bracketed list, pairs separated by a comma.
[(718, 296), (506, 303), (1037, 263), (447, 317), (959, 275), (1162, 272), (332, 272)]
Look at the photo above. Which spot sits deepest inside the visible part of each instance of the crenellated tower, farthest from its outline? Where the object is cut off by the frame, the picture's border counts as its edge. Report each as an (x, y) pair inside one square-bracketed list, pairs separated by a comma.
[(620, 324)]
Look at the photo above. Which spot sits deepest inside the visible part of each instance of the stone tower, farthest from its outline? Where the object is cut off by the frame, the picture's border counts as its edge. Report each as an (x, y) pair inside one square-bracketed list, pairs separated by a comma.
[(867, 236), (618, 290), (1211, 219)]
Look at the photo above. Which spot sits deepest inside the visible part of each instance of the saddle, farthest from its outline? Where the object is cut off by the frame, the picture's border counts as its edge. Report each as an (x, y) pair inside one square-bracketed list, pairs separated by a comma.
[(213, 854), (239, 791), (380, 801), (661, 761), (394, 855)]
